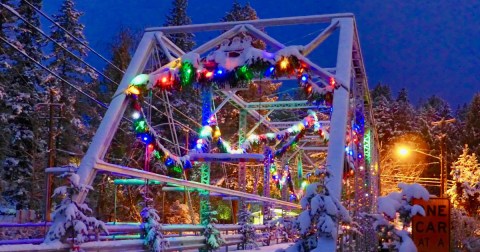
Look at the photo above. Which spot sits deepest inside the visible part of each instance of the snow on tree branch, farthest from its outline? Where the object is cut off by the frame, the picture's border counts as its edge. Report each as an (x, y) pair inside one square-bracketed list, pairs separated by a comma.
[(70, 219)]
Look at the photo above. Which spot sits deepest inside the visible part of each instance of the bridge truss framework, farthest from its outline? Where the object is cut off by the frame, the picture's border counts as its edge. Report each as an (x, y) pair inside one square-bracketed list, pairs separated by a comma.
[(352, 96)]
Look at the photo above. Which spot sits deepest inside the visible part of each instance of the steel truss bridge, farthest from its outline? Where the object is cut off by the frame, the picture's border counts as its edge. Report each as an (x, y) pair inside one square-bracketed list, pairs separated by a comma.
[(350, 102)]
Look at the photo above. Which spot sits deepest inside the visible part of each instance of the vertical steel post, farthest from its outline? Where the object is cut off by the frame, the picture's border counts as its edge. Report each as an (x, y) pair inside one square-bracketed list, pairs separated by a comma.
[(338, 125), (205, 167), (242, 172)]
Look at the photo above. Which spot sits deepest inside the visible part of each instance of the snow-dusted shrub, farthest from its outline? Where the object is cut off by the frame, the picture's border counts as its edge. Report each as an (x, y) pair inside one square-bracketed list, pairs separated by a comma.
[(401, 203), (465, 192), (284, 228), (70, 218), (154, 239), (465, 229), (213, 237), (247, 229), (318, 222)]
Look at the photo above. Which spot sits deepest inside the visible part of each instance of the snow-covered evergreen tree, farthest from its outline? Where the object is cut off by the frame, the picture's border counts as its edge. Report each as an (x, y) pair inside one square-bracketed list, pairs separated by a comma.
[(70, 219), (398, 204), (319, 220), (78, 113), (213, 237), (247, 229), (22, 145), (404, 115), (154, 239), (472, 125), (243, 13), (178, 16), (383, 114), (465, 192)]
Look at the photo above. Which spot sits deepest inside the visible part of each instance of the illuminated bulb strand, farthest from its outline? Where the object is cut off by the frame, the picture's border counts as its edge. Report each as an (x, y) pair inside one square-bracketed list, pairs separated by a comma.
[(206, 134), (184, 74), (151, 138)]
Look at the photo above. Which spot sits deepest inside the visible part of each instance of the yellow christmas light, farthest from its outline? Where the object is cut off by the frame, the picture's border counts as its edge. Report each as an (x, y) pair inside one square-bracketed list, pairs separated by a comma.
[(132, 90), (284, 63)]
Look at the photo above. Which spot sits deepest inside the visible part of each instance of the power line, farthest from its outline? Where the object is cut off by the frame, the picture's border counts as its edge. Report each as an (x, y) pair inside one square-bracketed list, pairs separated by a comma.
[(56, 43), (54, 74), (78, 40), (71, 35)]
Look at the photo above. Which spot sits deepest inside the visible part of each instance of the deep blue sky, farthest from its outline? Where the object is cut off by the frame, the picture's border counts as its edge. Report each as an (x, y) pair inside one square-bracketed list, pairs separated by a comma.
[(429, 47)]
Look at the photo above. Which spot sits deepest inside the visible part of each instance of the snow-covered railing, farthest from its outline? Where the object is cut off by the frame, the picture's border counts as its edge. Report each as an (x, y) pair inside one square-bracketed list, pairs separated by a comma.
[(187, 237)]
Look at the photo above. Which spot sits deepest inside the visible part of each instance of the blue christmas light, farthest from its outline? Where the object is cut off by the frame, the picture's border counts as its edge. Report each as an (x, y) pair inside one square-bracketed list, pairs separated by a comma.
[(187, 164), (169, 162), (220, 72), (145, 137), (304, 78), (269, 71)]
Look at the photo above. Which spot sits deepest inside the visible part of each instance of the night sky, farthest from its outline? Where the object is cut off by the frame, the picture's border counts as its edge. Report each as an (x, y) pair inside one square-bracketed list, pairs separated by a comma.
[(428, 47)]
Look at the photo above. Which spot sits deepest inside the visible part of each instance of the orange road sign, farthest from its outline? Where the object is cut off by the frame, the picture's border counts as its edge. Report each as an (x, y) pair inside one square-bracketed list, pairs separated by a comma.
[(432, 231)]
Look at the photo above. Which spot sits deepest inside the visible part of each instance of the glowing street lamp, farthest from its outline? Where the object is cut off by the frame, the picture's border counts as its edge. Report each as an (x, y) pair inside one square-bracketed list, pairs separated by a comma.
[(404, 151)]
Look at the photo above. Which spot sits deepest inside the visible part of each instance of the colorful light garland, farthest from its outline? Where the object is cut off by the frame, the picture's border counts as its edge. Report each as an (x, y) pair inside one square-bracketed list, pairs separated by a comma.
[(207, 73)]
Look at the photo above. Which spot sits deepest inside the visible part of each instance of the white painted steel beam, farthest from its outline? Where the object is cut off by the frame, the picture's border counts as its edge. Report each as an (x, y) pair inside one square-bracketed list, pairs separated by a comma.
[(127, 171), (259, 23), (282, 105), (320, 38), (336, 146), (223, 157), (288, 124), (105, 132)]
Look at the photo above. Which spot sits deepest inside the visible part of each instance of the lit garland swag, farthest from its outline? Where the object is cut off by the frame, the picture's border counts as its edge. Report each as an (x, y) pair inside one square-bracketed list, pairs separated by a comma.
[(209, 73)]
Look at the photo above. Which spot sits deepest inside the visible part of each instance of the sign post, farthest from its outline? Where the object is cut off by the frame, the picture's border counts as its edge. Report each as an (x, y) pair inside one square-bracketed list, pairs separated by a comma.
[(432, 231)]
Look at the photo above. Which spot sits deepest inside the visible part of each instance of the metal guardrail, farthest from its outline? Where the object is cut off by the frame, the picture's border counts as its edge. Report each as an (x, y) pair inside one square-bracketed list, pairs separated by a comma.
[(187, 237)]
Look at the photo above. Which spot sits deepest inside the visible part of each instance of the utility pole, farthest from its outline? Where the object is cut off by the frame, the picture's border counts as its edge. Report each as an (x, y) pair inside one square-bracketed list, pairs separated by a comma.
[(51, 148), (443, 156)]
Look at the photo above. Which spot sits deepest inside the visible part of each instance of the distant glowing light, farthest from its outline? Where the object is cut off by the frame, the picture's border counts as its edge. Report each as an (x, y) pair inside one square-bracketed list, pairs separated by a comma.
[(136, 115), (209, 74), (403, 151)]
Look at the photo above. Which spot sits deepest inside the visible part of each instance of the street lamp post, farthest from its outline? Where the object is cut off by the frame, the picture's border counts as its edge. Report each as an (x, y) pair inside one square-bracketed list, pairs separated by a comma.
[(404, 151)]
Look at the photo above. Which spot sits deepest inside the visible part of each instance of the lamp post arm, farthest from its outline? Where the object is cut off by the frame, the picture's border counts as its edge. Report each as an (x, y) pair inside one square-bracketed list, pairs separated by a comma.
[(426, 154)]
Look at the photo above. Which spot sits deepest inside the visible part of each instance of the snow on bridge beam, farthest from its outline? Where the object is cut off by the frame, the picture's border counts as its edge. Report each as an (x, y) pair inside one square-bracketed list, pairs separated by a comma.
[(223, 157), (259, 23), (283, 105), (288, 124), (101, 165)]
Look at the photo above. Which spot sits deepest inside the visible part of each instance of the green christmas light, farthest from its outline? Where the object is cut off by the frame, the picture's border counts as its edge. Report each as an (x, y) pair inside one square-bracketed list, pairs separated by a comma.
[(304, 184), (156, 154), (177, 169), (140, 126), (206, 132), (187, 73), (141, 79), (245, 73)]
